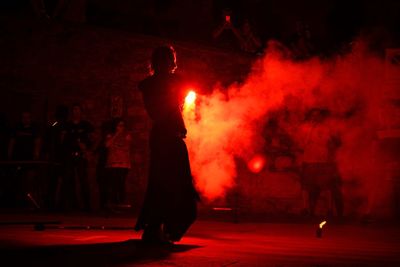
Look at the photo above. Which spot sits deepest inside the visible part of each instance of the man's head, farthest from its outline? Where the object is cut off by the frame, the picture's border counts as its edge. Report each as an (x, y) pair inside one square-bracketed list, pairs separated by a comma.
[(26, 118), (76, 112), (163, 60), (119, 125), (61, 113)]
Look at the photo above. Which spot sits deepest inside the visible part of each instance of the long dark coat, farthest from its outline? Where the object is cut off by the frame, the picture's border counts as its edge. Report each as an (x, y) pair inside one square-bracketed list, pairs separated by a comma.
[(170, 197)]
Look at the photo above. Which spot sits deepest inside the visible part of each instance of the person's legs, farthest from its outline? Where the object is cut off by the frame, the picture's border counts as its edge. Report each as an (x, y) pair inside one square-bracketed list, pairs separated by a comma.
[(113, 186), (313, 196), (156, 234), (18, 186), (120, 186), (337, 196), (51, 189), (307, 181), (83, 179), (68, 195), (334, 185), (31, 187), (101, 177)]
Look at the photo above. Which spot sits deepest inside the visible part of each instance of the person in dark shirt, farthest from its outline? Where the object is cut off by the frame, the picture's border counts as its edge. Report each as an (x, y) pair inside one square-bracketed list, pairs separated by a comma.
[(78, 142), (4, 135), (171, 200), (23, 150), (101, 175), (25, 142), (55, 135), (4, 182), (54, 147)]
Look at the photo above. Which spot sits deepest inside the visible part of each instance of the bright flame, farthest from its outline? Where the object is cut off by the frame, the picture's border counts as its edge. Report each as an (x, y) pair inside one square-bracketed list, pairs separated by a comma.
[(189, 107), (322, 224), (190, 98)]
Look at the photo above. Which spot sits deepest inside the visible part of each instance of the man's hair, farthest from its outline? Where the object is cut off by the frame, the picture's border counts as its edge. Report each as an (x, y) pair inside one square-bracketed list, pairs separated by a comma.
[(61, 112), (163, 58)]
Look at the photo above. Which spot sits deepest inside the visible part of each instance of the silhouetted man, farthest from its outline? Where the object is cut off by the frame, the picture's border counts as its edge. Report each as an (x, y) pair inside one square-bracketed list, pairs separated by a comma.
[(170, 202)]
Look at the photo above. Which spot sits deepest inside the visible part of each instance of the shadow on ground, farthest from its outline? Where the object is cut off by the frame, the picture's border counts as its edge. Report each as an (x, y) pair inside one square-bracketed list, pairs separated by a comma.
[(102, 254)]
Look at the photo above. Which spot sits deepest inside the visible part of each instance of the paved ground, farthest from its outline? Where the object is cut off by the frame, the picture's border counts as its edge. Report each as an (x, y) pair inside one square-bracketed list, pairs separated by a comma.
[(112, 242)]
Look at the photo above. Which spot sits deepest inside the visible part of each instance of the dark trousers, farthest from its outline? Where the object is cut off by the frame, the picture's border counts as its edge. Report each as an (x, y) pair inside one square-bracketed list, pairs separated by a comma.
[(75, 184), (115, 179), (15, 185), (317, 177), (101, 178), (55, 178)]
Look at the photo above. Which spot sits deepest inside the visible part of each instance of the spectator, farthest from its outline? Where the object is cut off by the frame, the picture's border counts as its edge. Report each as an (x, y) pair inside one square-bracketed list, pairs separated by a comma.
[(319, 170), (25, 141), (24, 148), (78, 142), (118, 145), (101, 174), (55, 152), (278, 143), (4, 135), (5, 181), (107, 128)]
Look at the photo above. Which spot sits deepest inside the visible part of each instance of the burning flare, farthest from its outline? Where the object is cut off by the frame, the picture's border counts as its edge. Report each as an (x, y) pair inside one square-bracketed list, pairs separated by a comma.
[(190, 98), (189, 107), (322, 224)]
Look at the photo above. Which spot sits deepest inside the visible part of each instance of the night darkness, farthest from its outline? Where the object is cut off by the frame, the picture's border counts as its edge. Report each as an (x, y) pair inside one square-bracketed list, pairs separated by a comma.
[(333, 23)]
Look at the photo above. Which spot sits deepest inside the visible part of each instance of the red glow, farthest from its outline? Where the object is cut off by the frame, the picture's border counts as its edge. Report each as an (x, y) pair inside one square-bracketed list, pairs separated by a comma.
[(229, 122), (228, 18), (222, 209), (256, 164)]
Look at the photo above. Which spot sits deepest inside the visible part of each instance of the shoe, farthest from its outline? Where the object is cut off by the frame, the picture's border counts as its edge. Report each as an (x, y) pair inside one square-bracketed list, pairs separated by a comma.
[(155, 235)]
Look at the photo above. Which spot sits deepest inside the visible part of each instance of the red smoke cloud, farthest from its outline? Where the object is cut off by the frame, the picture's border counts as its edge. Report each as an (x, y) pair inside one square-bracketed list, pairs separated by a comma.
[(229, 123)]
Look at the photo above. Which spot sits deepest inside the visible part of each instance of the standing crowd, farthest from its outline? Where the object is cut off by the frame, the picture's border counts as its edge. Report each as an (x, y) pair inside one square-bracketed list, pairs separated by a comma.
[(50, 166)]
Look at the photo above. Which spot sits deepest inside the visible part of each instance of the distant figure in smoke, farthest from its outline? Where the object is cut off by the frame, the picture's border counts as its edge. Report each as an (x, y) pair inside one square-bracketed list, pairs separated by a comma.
[(170, 204), (319, 171), (278, 143)]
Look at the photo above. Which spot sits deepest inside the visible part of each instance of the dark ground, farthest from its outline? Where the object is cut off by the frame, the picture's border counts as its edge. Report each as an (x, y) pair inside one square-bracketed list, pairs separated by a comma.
[(112, 242)]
